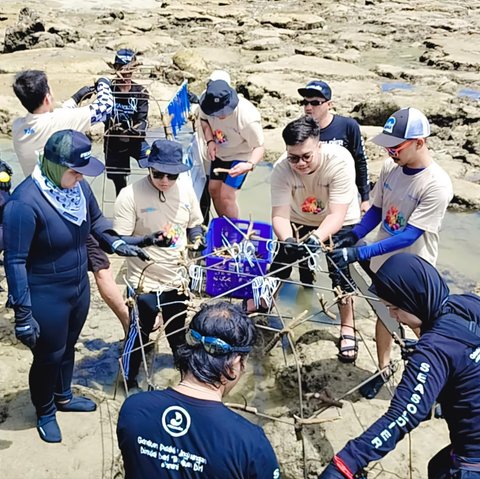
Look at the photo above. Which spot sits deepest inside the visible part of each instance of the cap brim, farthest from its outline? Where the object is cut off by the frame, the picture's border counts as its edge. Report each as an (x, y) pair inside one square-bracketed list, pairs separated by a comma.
[(311, 92), (225, 111), (163, 168), (94, 167), (387, 141)]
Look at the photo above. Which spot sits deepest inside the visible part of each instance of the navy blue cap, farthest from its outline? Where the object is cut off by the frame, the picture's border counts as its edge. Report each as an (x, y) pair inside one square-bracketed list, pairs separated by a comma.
[(123, 57), (165, 156), (73, 149), (316, 88), (219, 99)]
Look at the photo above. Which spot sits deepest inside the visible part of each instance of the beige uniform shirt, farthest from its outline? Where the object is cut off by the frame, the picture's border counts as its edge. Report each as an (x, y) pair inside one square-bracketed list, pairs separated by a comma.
[(31, 132), (419, 200), (237, 134), (139, 211), (309, 196)]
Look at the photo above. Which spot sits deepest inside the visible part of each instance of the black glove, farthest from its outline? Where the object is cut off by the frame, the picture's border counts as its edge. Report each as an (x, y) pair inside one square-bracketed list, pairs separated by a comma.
[(83, 94), (408, 348), (293, 249), (27, 329), (344, 256), (124, 249), (104, 80), (199, 243), (5, 176), (344, 239), (156, 239), (313, 243)]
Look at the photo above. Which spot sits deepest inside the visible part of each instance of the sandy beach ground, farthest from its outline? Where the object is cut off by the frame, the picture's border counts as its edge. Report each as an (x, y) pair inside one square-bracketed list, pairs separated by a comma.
[(377, 56)]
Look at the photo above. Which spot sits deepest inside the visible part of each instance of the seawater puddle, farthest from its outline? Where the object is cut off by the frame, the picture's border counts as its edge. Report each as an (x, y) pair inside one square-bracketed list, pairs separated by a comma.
[(469, 93), (396, 85)]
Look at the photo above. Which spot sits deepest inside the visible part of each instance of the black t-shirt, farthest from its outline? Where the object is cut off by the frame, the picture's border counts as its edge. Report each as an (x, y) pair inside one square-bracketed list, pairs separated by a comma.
[(169, 435)]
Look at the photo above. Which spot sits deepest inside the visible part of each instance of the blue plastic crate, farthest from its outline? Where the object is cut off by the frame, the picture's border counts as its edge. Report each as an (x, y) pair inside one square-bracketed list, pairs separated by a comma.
[(222, 274)]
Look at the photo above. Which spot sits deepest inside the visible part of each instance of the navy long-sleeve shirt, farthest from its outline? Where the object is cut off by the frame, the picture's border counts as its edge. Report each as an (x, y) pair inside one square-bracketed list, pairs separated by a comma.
[(442, 367), (39, 242), (345, 132)]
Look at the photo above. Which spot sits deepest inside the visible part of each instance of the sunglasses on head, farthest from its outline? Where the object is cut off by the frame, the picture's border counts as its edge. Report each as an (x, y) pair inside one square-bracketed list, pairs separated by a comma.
[(157, 175), (306, 102), (213, 346), (394, 150)]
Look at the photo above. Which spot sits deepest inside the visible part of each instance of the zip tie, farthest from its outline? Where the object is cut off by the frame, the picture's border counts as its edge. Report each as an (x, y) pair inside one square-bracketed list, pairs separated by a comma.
[(196, 273), (247, 252), (264, 288)]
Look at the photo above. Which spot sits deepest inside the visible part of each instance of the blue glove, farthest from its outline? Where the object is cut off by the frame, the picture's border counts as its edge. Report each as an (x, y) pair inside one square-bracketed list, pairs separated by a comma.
[(313, 244), (331, 472), (293, 249), (124, 249), (343, 239), (27, 329), (343, 257)]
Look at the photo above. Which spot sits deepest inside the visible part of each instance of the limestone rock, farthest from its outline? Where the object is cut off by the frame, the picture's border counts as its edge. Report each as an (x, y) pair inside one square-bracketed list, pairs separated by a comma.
[(374, 111), (188, 60), (20, 36)]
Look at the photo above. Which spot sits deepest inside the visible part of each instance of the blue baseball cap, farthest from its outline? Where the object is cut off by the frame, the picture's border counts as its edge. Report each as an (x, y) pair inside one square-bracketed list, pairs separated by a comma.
[(404, 124), (123, 57), (165, 156), (316, 88), (73, 149), (219, 99)]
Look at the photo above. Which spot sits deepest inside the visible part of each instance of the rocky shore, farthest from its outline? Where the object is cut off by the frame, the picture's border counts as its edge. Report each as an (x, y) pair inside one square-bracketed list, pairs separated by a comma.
[(376, 55)]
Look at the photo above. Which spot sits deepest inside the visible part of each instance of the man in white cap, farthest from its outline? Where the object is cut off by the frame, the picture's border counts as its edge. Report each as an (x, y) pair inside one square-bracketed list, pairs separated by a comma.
[(409, 201), (339, 130), (234, 136)]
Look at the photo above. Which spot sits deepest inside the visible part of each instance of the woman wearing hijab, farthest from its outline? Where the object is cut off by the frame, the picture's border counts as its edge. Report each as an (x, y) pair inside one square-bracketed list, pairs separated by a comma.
[(47, 221), (444, 367)]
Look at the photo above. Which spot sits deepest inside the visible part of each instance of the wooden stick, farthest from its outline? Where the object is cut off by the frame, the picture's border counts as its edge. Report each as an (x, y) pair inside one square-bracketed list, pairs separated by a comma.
[(216, 171)]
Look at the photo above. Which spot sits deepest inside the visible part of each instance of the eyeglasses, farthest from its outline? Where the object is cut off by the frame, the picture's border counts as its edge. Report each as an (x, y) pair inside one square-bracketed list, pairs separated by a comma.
[(393, 151), (213, 346), (306, 102), (294, 159), (157, 175)]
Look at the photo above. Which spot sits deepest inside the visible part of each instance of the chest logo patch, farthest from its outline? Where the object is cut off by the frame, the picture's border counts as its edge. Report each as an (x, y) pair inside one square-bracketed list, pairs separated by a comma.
[(394, 220), (219, 137), (176, 421), (312, 205)]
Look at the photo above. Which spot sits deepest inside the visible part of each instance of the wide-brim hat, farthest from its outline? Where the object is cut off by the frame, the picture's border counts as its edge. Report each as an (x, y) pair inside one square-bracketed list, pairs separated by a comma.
[(219, 99), (73, 149), (166, 156), (404, 124), (316, 88)]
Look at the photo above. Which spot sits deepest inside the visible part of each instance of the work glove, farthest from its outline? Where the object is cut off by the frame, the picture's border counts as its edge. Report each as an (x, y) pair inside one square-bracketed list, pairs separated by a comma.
[(199, 243), (5, 176), (344, 256), (123, 249), (293, 249), (313, 243), (103, 80), (154, 239), (408, 348), (344, 239), (27, 329), (83, 94)]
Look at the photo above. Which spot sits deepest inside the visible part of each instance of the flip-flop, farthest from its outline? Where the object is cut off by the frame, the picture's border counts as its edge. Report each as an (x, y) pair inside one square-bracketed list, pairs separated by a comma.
[(344, 358)]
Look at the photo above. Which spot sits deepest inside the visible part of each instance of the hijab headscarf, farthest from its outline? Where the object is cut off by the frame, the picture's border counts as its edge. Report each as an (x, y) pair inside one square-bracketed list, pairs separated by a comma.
[(70, 203), (414, 285)]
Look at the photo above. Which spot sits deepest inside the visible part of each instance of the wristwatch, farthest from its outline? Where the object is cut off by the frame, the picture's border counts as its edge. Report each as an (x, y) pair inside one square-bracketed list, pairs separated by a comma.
[(253, 165)]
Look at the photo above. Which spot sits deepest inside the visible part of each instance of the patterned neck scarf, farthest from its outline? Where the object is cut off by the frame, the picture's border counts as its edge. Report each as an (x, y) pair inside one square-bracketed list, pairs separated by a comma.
[(69, 203)]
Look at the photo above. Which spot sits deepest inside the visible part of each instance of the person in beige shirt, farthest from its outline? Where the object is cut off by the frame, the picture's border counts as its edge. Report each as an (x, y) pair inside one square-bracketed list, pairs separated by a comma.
[(313, 190), (233, 132), (409, 202), (161, 201)]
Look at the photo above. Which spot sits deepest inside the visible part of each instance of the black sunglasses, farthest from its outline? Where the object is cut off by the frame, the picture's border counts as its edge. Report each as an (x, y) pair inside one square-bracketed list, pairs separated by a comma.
[(305, 102), (157, 175)]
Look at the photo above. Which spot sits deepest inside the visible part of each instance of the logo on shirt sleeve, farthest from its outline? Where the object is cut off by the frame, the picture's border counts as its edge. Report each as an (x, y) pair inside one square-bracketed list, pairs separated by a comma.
[(312, 205), (176, 421)]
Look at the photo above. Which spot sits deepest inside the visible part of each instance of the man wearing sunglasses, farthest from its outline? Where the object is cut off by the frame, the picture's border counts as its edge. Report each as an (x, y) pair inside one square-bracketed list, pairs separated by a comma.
[(409, 202), (186, 431), (313, 190), (337, 129), (164, 203)]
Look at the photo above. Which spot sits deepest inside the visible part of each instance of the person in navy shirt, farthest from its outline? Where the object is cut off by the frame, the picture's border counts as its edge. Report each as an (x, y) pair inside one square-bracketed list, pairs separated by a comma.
[(337, 129), (444, 367), (186, 431)]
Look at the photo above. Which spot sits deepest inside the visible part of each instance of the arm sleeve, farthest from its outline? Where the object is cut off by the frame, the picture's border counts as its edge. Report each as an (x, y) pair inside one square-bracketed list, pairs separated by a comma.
[(20, 225), (140, 122), (423, 379), (370, 220), (402, 240), (102, 106), (361, 166)]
